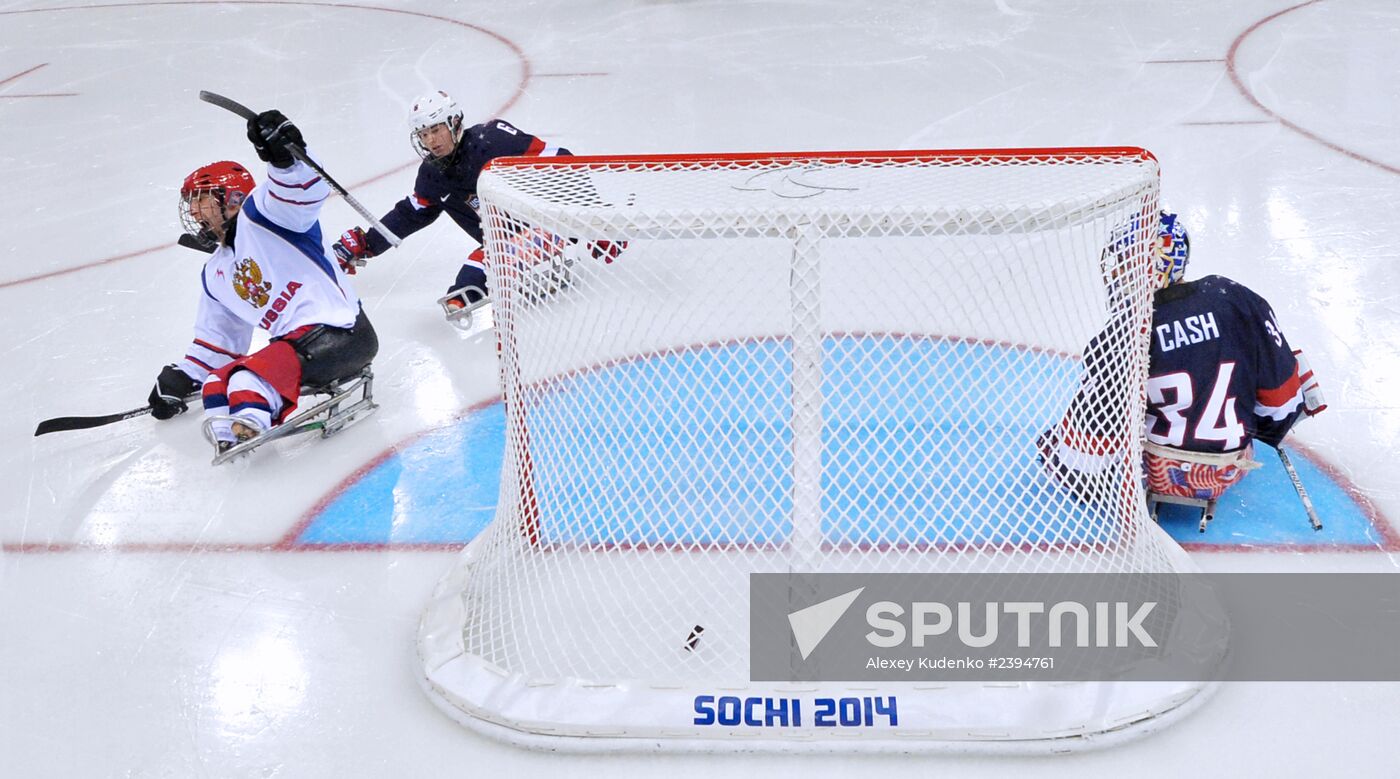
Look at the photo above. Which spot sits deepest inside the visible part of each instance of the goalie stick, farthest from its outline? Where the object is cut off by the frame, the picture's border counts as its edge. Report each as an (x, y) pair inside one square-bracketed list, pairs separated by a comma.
[(300, 153), (60, 424), (1298, 485)]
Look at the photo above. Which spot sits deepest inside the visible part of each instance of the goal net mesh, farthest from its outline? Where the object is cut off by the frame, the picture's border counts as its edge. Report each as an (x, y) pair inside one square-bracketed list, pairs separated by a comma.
[(720, 365)]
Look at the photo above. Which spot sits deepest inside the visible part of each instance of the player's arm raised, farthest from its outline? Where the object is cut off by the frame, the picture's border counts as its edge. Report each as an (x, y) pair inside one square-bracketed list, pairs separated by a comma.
[(294, 192)]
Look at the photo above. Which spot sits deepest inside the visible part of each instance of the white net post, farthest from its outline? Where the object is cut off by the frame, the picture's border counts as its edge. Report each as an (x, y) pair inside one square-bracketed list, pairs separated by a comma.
[(805, 298), (718, 365)]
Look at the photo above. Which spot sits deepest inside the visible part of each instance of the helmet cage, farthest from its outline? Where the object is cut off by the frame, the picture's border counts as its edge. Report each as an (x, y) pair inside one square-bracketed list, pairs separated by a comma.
[(191, 223), (429, 112), (1172, 250), (228, 182), (1168, 249)]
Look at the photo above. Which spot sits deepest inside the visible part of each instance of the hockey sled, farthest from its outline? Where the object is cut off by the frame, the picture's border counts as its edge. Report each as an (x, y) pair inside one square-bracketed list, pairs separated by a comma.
[(1195, 479), (1207, 506), (459, 308), (349, 401)]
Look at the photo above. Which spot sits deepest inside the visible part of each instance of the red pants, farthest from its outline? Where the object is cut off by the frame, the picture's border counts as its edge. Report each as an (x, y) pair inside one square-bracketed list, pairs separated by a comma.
[(277, 364)]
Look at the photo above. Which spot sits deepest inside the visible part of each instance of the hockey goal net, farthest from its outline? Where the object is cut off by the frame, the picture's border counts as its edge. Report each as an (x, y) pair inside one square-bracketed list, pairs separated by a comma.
[(841, 362)]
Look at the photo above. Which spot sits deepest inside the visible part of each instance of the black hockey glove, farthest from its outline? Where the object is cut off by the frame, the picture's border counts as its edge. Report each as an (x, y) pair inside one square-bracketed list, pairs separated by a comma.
[(168, 396), (270, 132)]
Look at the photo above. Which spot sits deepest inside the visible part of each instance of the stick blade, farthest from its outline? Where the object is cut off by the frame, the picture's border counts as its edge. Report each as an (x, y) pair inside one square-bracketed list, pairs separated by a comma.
[(225, 103), (60, 424), (191, 242)]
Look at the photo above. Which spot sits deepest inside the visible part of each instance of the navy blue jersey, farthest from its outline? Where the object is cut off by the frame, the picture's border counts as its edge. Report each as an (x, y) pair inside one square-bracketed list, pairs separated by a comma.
[(1221, 371), (452, 188)]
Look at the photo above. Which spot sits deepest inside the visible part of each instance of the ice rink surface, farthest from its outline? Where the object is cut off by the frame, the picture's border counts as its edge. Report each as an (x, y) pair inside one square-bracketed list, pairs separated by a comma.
[(158, 617)]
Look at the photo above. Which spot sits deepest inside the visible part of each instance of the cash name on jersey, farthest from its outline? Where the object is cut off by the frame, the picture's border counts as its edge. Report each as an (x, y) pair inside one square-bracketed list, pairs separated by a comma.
[(1188, 331)]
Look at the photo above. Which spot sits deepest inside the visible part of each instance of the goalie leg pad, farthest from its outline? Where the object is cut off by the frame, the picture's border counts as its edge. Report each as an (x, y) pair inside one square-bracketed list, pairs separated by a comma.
[(1091, 473)]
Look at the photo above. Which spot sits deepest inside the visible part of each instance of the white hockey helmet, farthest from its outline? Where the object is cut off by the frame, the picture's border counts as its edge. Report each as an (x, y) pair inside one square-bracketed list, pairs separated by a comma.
[(430, 110)]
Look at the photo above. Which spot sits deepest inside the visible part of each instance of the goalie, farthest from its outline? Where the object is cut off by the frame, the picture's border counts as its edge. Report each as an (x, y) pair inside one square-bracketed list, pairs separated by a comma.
[(1221, 374)]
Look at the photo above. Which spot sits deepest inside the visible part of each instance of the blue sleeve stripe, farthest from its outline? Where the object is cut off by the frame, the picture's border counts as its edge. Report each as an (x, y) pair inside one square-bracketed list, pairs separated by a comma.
[(205, 284), (308, 243)]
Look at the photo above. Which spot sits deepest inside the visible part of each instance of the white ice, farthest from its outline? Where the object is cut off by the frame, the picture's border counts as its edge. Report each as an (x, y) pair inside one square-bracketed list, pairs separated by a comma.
[(145, 627)]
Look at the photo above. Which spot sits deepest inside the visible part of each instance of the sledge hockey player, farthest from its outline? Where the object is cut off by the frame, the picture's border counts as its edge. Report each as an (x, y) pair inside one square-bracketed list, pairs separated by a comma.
[(453, 156), (268, 269), (1220, 374)]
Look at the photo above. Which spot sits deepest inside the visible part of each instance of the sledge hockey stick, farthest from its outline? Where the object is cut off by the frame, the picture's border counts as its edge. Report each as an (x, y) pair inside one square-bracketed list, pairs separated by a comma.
[(59, 424), (190, 242), (300, 153), (1298, 485)]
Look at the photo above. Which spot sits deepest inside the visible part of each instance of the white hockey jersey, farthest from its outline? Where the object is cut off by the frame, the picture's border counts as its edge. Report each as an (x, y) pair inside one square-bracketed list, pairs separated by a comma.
[(276, 275)]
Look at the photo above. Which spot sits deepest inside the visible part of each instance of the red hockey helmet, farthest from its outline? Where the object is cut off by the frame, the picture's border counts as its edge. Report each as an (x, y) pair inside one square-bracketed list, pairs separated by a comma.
[(229, 182)]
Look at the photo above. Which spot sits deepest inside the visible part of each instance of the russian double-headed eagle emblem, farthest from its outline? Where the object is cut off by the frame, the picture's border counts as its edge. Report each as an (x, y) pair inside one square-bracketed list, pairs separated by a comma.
[(248, 283)]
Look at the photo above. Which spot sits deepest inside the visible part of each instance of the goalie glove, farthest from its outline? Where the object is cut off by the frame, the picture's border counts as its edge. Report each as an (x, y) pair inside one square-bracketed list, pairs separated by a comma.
[(1313, 402)]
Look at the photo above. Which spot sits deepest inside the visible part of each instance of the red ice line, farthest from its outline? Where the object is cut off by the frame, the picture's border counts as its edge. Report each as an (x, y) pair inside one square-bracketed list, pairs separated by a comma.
[(1230, 63), (1230, 67), (526, 73), (1388, 541), (287, 542), (21, 75), (1390, 537)]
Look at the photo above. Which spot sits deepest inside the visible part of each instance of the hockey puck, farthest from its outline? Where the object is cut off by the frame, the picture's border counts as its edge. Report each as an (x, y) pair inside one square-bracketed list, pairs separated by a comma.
[(693, 640)]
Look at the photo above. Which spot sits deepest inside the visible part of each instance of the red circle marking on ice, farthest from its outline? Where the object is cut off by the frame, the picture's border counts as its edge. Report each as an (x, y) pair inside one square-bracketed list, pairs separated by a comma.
[(526, 73), (1233, 71)]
